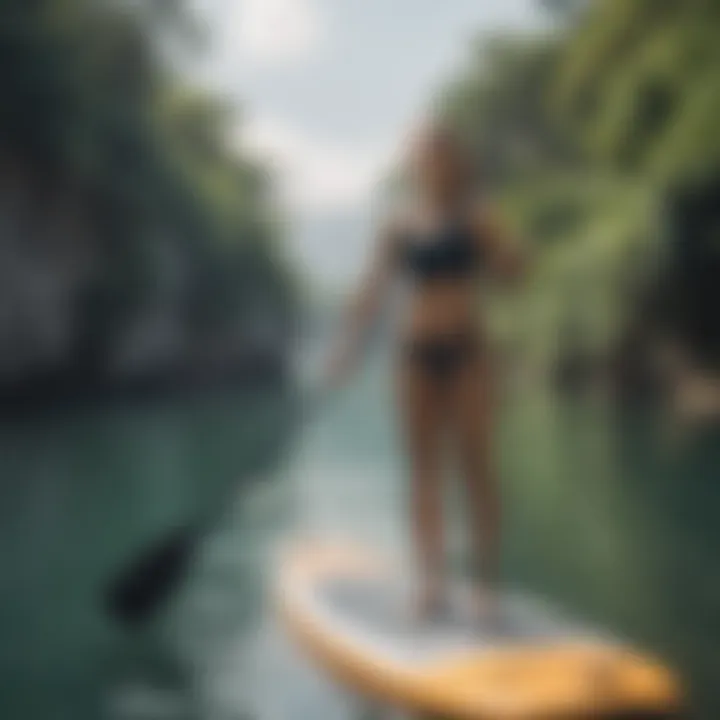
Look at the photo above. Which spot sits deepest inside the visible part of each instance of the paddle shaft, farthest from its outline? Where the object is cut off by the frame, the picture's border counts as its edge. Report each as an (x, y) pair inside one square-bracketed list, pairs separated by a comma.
[(154, 576)]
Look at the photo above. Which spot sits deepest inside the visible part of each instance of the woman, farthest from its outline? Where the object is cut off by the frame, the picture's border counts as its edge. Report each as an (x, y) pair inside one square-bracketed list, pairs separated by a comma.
[(442, 245)]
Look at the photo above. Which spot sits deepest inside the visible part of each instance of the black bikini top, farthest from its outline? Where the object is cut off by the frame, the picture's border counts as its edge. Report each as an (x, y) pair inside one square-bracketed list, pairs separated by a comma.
[(449, 253)]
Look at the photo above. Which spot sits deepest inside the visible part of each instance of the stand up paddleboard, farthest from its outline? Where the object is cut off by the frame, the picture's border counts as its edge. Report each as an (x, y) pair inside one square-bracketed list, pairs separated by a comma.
[(351, 612)]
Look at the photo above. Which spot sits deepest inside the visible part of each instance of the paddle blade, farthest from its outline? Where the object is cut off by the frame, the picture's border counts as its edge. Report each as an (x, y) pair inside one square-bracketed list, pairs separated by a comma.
[(152, 578)]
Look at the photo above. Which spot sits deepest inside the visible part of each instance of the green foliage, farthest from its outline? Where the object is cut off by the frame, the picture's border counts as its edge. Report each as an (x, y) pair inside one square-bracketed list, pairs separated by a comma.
[(90, 108), (500, 105), (581, 131), (638, 85)]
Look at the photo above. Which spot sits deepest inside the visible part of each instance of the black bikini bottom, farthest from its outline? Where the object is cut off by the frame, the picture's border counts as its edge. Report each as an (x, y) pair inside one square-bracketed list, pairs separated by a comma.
[(441, 358)]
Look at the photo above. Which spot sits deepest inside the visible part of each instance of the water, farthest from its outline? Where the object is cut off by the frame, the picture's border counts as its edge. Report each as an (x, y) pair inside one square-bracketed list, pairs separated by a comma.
[(614, 516)]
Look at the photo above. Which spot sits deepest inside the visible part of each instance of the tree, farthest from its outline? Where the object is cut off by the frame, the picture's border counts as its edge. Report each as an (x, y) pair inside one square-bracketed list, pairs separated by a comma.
[(94, 116)]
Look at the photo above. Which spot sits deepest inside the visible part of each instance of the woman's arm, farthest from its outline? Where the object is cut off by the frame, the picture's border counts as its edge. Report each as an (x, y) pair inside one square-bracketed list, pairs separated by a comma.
[(364, 306), (504, 256)]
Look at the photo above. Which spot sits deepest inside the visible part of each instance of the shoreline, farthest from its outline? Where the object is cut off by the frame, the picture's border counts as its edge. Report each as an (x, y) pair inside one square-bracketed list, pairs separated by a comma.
[(67, 394)]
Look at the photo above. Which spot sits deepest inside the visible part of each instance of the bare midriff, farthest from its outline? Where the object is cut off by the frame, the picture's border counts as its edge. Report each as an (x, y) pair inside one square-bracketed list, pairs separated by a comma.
[(442, 307)]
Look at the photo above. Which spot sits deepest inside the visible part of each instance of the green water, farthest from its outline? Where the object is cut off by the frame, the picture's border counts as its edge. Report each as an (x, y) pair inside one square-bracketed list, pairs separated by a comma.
[(614, 516)]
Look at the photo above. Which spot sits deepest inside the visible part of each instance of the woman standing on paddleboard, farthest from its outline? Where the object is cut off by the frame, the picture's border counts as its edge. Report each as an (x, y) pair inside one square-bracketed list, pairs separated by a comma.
[(442, 245)]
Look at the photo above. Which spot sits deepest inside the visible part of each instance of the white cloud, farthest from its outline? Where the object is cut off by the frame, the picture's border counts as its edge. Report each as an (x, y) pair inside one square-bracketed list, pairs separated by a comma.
[(263, 32), (317, 173), (281, 30)]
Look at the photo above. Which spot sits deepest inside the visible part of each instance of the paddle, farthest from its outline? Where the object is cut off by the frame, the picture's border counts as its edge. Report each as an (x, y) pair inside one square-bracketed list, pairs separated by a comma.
[(148, 582)]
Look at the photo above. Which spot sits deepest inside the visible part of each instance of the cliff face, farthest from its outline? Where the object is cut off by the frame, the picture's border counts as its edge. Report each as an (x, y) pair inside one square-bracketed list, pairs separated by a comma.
[(46, 260), (64, 328), (135, 245)]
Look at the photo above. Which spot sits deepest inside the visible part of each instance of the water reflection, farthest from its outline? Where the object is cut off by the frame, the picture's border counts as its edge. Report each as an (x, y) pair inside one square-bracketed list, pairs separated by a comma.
[(614, 517), (619, 526), (81, 495)]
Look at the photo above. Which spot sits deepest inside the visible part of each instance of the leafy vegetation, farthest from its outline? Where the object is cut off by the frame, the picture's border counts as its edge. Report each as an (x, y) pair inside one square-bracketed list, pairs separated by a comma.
[(132, 235), (590, 135)]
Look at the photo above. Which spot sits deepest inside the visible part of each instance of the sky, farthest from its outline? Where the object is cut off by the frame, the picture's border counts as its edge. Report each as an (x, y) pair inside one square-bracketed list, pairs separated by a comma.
[(329, 89)]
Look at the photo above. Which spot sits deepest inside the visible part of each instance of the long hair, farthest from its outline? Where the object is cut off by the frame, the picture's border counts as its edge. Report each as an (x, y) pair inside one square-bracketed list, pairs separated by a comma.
[(448, 140)]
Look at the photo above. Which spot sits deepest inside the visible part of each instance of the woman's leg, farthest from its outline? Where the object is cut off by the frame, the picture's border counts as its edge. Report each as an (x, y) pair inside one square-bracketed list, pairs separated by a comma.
[(422, 411), (473, 406)]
